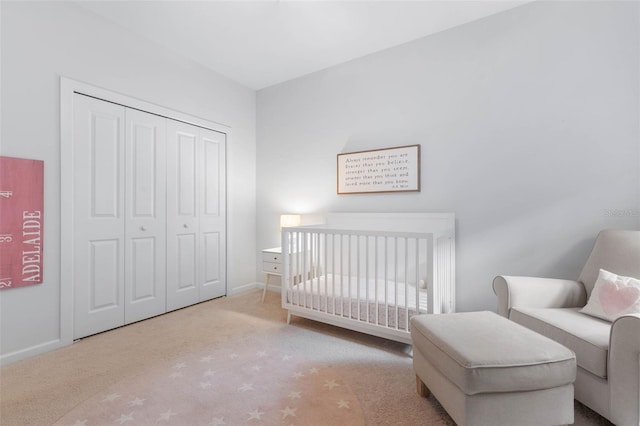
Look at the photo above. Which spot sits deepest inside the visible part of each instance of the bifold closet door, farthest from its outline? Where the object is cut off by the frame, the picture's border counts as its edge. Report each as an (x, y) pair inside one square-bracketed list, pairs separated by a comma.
[(196, 240), (149, 222), (145, 217), (213, 246), (98, 209), (119, 215), (213, 219)]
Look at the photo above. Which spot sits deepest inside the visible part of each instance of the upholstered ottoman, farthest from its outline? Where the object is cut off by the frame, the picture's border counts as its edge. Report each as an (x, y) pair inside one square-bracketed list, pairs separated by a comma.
[(487, 370)]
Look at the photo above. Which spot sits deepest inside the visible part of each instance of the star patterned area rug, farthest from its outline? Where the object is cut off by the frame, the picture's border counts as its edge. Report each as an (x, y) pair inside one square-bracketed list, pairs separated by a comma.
[(249, 384)]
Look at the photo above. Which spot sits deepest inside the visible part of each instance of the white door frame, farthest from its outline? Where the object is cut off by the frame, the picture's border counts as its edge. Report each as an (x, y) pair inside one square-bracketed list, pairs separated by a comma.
[(67, 89)]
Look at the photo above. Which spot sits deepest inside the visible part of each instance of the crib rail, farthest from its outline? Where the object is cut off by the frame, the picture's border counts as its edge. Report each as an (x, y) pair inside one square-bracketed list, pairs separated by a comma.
[(370, 281)]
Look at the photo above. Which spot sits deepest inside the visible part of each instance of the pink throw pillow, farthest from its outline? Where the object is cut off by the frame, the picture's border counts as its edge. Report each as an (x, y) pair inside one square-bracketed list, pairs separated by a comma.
[(613, 296)]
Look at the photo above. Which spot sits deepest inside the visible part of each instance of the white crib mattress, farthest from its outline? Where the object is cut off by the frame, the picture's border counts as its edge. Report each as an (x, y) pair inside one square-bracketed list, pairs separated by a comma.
[(360, 299)]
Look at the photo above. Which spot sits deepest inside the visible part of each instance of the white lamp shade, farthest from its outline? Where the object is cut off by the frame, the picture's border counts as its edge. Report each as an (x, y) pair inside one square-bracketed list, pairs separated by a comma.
[(288, 220)]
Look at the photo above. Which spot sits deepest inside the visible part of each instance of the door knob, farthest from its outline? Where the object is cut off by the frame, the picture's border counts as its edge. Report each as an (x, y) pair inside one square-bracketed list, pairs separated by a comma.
[(185, 226), (142, 228)]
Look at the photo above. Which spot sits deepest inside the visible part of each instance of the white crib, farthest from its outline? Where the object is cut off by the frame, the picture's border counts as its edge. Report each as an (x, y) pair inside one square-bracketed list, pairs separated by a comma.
[(370, 272)]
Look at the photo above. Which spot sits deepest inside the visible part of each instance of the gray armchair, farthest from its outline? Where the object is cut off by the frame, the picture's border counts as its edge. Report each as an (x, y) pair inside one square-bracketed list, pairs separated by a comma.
[(607, 354)]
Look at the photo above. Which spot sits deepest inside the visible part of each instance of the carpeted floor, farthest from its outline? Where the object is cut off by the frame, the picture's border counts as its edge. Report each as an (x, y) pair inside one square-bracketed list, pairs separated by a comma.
[(248, 381), (375, 375)]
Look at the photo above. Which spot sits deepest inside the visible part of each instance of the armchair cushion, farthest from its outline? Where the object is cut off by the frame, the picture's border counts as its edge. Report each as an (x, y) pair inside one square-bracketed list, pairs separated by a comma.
[(613, 296), (586, 336)]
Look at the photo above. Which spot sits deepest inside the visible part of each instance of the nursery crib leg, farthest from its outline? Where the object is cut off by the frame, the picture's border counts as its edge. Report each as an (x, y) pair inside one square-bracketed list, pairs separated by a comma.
[(288, 317), (422, 389)]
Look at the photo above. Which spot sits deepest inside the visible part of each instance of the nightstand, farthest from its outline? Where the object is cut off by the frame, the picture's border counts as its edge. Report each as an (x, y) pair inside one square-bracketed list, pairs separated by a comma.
[(271, 265)]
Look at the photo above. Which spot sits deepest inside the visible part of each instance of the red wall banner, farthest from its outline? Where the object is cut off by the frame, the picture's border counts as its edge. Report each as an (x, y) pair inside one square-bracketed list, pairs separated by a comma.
[(21, 221)]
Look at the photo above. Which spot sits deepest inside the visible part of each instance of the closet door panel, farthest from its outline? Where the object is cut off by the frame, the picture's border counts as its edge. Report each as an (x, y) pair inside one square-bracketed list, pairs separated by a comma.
[(104, 256), (98, 209), (145, 153), (105, 148), (213, 215), (145, 282), (211, 251), (186, 146), (182, 215), (212, 188), (186, 263), (144, 276)]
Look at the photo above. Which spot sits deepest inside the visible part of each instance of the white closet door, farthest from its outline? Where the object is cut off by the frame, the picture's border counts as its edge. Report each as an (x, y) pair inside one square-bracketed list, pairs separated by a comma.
[(213, 216), (145, 203), (183, 189), (149, 222), (196, 214), (98, 209)]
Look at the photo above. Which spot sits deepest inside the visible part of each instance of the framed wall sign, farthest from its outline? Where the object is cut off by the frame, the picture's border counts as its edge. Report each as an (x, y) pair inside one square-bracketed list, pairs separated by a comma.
[(394, 169), (21, 221)]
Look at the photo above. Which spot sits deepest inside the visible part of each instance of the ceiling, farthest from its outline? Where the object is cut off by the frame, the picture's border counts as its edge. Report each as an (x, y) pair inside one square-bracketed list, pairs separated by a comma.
[(262, 43)]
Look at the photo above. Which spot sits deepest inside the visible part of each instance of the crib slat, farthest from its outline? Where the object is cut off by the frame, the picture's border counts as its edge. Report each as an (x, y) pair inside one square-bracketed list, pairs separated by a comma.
[(333, 271), (341, 276), (395, 278), (406, 284), (386, 282), (358, 276), (417, 276), (308, 276), (315, 243), (367, 279), (305, 267), (375, 273), (294, 272), (349, 277), (314, 267), (300, 272), (432, 289), (444, 294), (324, 272)]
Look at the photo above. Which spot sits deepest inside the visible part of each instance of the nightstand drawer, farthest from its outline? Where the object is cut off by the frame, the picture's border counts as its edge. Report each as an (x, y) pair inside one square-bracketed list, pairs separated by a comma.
[(271, 257), (272, 268)]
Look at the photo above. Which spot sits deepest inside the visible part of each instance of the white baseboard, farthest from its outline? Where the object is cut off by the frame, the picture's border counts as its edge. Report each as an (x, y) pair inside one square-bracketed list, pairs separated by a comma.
[(243, 288), (29, 352), (275, 288), (251, 286)]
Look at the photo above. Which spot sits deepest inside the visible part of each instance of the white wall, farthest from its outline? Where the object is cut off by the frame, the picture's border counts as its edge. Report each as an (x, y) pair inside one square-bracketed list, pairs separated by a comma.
[(528, 122), (41, 42)]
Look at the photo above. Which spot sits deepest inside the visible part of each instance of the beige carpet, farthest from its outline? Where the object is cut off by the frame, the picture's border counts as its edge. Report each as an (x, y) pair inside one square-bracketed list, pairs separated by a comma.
[(247, 381), (374, 375)]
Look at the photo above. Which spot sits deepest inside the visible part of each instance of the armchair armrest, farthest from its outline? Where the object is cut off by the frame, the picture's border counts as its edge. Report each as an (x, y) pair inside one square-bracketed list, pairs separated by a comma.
[(623, 370), (535, 292)]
